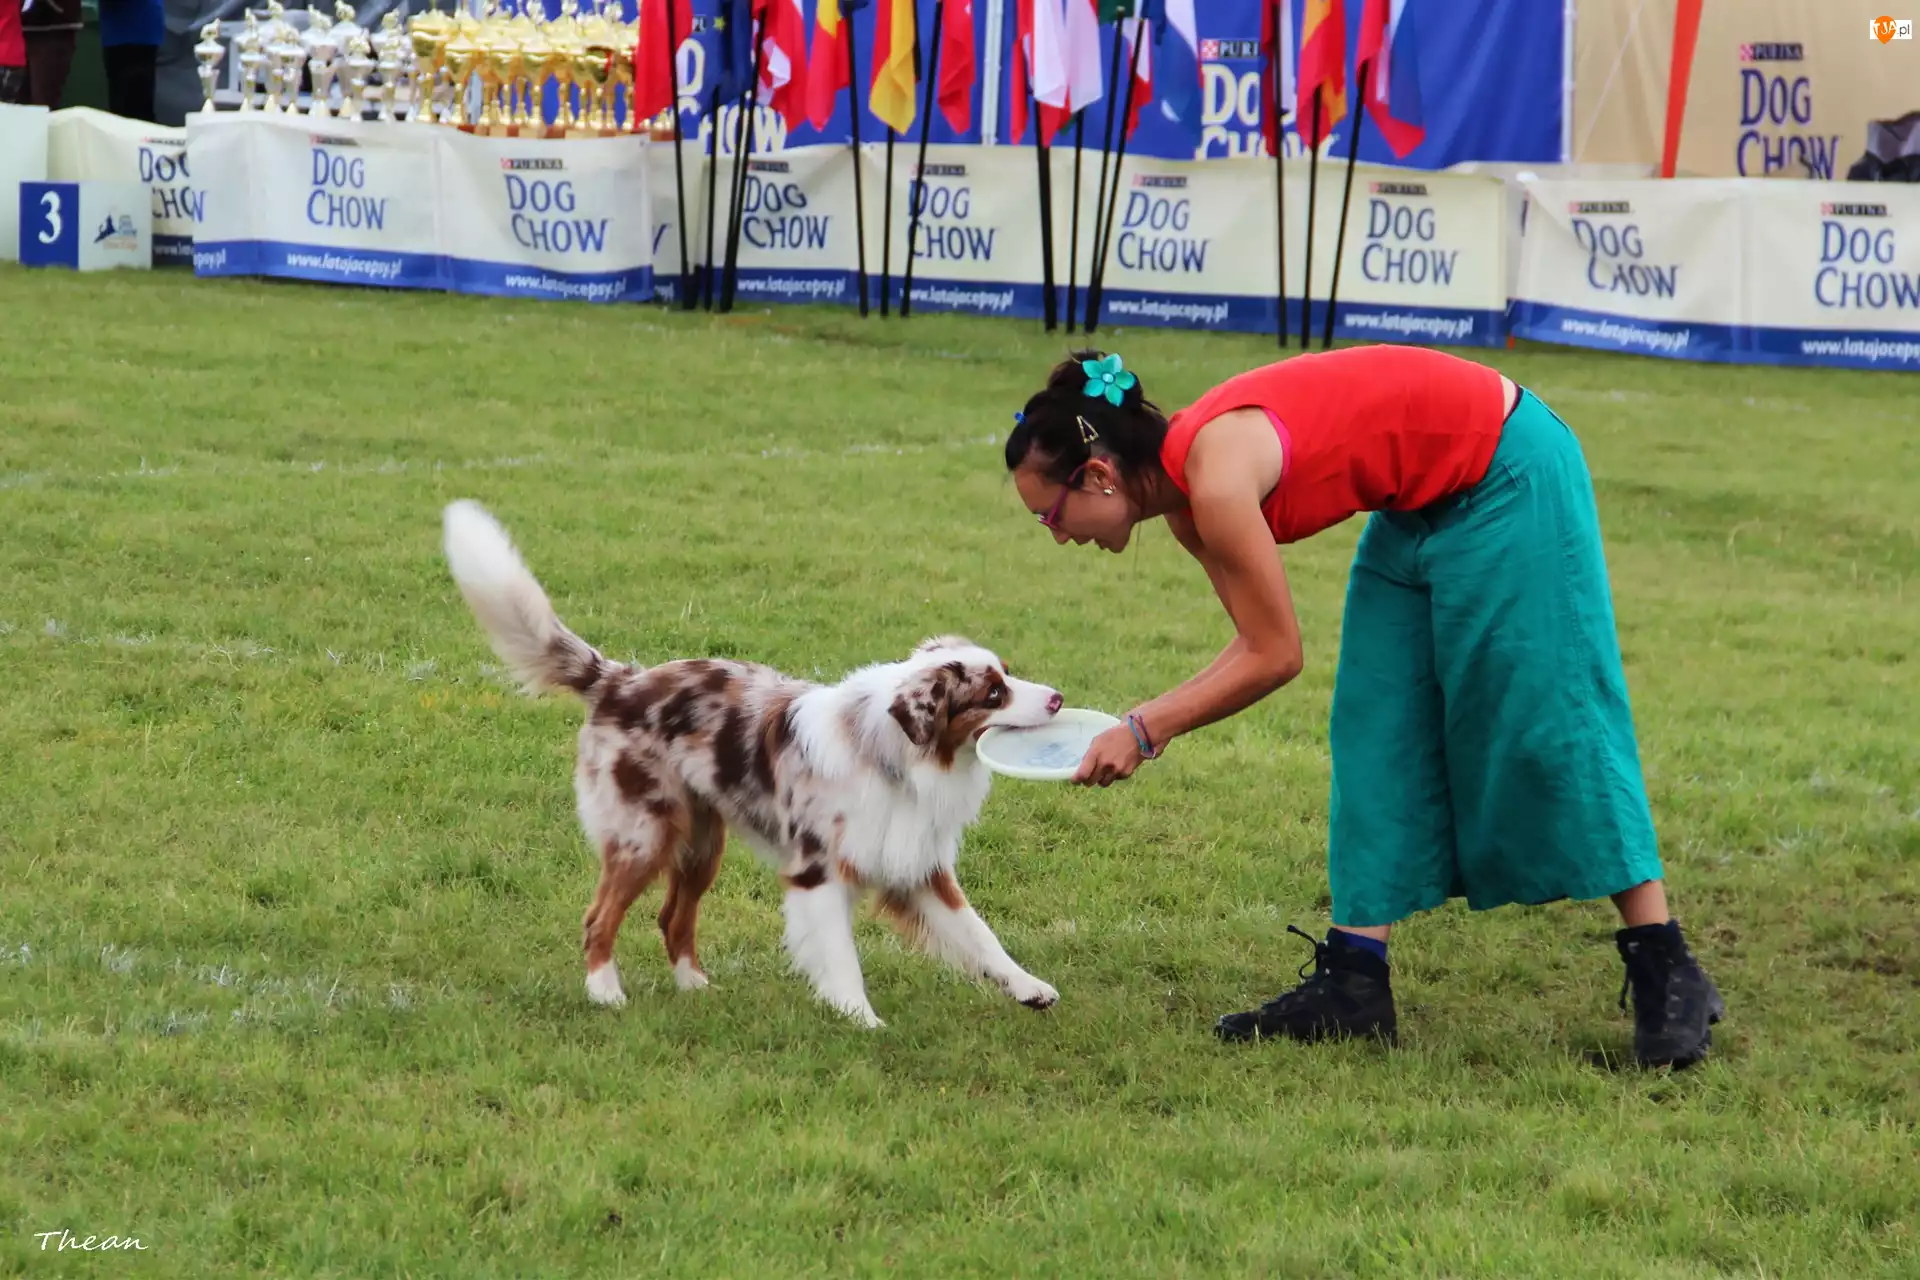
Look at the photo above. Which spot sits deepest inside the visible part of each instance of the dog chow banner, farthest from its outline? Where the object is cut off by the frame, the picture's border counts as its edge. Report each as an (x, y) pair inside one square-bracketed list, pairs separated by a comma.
[(336, 200), (84, 145), (1654, 267), (977, 242), (538, 218), (799, 237)]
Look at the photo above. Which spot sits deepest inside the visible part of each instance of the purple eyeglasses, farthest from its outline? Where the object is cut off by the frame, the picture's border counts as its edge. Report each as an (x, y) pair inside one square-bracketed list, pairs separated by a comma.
[(1052, 516)]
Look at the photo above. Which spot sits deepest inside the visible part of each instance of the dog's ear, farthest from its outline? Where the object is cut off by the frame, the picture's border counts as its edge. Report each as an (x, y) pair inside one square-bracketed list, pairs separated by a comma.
[(933, 643), (921, 705)]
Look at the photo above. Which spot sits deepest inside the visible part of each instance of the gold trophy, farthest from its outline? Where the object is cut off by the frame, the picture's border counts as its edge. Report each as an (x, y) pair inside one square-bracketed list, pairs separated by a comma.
[(208, 53), (626, 42), (252, 61), (429, 34), (461, 54), (386, 54), (360, 65)]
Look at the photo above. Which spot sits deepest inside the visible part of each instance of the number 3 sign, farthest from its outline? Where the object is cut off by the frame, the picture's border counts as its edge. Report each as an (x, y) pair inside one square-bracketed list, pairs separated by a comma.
[(86, 226)]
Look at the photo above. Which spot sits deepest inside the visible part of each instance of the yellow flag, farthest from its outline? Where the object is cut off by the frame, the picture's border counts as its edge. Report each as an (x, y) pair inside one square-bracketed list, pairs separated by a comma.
[(893, 79)]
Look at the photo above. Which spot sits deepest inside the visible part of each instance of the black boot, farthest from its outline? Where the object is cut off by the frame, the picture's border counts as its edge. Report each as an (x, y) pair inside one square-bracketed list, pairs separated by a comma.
[(1349, 993), (1675, 1003)]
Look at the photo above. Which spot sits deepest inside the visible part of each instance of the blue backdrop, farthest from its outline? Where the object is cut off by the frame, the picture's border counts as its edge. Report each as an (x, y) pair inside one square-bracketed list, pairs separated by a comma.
[(1490, 74)]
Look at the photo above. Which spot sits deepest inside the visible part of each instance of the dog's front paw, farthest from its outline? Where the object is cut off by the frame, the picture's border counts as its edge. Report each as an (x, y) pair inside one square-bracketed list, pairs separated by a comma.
[(603, 986), (1032, 992), (687, 975)]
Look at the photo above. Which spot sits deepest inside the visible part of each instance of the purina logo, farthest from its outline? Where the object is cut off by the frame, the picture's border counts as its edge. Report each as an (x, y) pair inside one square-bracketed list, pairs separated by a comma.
[(1397, 188), (1773, 53), (1171, 181), (1229, 50), (1599, 206), (942, 171), (522, 165), (1853, 211), (322, 140), (1884, 29), (769, 166)]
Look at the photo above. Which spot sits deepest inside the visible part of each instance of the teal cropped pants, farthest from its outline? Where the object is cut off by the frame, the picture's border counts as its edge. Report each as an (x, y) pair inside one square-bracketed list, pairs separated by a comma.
[(1483, 746)]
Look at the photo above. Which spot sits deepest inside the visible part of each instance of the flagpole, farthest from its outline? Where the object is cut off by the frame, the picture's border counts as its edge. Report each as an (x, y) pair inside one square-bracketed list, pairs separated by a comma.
[(1306, 268), (713, 198), (1280, 173), (679, 174), (1073, 234), (919, 182), (1340, 243), (1050, 304), (1096, 286), (859, 199), (730, 278), (1100, 188)]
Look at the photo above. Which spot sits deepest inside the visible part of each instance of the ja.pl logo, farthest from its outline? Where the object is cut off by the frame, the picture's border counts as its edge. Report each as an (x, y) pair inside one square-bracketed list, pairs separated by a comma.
[(62, 1240), (1885, 29)]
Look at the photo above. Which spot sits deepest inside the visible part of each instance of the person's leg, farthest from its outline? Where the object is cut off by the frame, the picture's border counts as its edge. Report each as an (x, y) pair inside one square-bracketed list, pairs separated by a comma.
[(13, 84), (1547, 787), (130, 75), (49, 57), (1390, 827)]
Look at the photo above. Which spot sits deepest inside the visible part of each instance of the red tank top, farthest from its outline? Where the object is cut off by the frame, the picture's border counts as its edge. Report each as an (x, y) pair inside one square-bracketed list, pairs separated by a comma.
[(1380, 428)]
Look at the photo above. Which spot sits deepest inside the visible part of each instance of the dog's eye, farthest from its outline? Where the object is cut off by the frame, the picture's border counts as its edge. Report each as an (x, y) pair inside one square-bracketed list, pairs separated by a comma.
[(996, 695)]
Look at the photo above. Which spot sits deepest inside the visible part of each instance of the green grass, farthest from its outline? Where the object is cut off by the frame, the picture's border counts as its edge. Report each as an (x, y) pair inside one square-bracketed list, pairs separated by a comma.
[(290, 881)]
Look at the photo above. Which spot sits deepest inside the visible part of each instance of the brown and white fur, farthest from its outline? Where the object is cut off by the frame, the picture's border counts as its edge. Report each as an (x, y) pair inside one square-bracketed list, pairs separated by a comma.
[(862, 786)]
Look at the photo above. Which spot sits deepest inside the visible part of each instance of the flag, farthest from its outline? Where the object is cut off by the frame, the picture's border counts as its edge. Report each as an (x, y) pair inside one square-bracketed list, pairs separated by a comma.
[(1176, 44), (1018, 90), (1393, 86), (1082, 48), (1323, 69), (894, 78), (653, 66), (1136, 30), (1276, 25), (1048, 74), (733, 51), (957, 70), (827, 67), (783, 58)]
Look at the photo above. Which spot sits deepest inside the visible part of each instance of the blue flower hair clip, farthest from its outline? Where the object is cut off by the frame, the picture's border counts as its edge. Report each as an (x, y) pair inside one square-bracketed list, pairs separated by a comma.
[(1108, 379)]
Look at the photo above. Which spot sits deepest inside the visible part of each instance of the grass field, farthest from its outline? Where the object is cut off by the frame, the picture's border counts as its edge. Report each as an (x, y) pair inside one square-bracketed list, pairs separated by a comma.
[(290, 881)]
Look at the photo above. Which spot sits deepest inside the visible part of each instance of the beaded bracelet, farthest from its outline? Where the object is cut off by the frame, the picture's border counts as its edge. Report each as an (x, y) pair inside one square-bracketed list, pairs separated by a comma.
[(1139, 729)]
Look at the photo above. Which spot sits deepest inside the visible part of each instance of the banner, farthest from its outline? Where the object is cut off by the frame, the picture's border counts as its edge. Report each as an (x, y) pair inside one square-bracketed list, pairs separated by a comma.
[(539, 218), (23, 158), (798, 240), (663, 203), (1775, 88), (87, 145), (335, 200), (1833, 274), (977, 247), (1648, 267)]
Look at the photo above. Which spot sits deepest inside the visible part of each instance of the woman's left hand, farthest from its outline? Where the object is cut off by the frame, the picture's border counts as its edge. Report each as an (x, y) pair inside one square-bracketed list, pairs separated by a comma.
[(1110, 757)]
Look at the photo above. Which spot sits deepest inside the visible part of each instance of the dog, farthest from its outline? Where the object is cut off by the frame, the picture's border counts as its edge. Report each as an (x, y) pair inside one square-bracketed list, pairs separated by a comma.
[(864, 786)]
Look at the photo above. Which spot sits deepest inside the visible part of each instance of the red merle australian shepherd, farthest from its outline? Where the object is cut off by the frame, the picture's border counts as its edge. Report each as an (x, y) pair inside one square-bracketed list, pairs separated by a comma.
[(862, 786)]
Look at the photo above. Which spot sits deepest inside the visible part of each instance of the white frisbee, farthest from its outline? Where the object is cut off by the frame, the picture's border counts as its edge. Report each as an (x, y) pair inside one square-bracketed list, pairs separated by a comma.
[(1049, 753)]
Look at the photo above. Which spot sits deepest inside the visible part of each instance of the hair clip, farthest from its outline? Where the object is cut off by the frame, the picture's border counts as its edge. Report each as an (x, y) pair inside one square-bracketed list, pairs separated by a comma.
[(1018, 417), (1108, 379), (1087, 434)]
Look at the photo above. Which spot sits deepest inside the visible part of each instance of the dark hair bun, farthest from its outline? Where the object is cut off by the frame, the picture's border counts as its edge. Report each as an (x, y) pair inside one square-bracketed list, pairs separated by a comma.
[(1092, 404)]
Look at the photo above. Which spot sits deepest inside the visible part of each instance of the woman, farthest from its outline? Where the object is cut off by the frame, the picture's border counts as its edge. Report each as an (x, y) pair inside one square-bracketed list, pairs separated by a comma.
[(130, 35), (1482, 741), (13, 54), (52, 27)]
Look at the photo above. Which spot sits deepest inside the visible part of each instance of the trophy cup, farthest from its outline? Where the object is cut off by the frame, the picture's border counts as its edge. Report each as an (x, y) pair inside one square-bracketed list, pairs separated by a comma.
[(429, 39), (386, 47), (252, 61), (536, 60), (293, 60), (208, 53), (508, 63), (461, 54), (360, 66), (323, 52), (626, 41), (344, 30), (593, 67)]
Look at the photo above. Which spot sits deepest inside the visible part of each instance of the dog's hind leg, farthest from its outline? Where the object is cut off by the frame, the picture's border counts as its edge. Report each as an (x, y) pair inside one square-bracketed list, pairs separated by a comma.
[(690, 874), (937, 917), (626, 869), (819, 937)]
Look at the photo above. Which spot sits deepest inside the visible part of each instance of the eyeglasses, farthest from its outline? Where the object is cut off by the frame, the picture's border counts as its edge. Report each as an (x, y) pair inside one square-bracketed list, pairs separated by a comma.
[(1052, 516)]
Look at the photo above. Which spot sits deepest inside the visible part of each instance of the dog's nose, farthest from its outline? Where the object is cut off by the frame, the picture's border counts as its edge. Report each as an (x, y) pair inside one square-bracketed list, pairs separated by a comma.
[(1055, 703)]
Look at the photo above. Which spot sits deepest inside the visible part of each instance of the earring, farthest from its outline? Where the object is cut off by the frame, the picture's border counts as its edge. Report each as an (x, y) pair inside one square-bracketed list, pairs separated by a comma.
[(1108, 492)]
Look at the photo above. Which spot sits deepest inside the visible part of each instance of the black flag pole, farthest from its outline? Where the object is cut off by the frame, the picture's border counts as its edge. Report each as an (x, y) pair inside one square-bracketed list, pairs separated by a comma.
[(1103, 237), (1346, 197), (713, 198), (1100, 188), (1306, 268), (859, 198), (1050, 304), (729, 281), (1280, 180), (679, 174), (917, 188), (1073, 233)]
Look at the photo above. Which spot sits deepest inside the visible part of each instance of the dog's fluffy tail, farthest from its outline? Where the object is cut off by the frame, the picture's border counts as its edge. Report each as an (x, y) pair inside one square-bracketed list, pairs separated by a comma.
[(511, 607)]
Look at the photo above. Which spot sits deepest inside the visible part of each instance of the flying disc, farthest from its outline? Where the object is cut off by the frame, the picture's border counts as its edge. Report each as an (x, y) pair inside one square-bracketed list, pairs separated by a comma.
[(1050, 753)]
